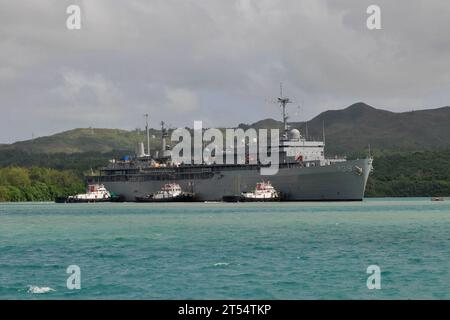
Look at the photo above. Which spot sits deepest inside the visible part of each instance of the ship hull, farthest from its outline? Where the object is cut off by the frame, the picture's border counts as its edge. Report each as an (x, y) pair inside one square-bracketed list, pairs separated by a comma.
[(341, 181), (66, 200), (243, 199), (180, 198)]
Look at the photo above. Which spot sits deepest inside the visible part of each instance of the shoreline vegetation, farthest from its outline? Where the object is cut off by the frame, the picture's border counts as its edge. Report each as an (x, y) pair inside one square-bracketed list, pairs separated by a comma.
[(40, 177), (410, 174), (18, 184)]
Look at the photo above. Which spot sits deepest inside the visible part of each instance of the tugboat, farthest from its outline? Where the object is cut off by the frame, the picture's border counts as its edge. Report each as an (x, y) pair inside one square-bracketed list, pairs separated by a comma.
[(264, 191), (94, 193), (170, 192)]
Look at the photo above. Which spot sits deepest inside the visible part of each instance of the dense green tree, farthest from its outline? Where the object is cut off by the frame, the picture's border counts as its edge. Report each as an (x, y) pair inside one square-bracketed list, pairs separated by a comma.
[(37, 184), (409, 174)]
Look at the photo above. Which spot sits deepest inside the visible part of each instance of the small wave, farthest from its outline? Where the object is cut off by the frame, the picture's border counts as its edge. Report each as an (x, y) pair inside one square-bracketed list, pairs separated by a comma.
[(221, 264), (36, 289)]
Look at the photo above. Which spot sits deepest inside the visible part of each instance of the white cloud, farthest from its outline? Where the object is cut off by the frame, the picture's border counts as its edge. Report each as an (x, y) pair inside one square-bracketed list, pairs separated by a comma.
[(219, 60), (181, 100), (88, 96)]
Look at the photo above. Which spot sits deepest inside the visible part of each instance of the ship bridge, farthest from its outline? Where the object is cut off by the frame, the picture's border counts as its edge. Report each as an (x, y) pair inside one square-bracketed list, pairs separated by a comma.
[(298, 148)]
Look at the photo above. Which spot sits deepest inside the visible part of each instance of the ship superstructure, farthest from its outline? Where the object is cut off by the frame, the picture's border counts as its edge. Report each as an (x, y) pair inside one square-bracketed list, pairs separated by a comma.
[(304, 173)]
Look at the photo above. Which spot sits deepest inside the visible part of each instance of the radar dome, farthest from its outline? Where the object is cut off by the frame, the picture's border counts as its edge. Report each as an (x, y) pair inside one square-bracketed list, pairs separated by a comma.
[(294, 134)]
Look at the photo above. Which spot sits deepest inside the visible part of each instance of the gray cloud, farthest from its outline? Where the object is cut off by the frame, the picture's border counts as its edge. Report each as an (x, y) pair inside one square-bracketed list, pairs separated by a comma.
[(213, 60)]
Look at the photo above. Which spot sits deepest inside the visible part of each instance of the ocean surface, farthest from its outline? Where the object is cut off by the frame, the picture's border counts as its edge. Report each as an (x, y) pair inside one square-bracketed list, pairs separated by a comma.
[(226, 251)]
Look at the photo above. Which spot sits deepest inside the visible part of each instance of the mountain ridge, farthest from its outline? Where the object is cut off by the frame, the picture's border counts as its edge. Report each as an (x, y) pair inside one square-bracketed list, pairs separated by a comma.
[(347, 130)]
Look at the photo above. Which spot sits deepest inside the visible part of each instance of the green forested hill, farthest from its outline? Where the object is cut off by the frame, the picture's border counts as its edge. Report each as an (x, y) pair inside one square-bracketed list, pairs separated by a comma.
[(354, 128), (347, 131), (82, 140), (410, 174), (359, 125)]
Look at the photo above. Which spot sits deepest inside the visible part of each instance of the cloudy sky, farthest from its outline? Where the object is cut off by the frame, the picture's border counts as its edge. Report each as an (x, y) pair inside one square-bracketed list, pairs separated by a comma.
[(220, 61)]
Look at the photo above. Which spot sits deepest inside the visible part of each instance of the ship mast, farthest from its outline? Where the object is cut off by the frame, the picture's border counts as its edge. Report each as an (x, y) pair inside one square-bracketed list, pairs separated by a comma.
[(283, 102), (148, 134), (163, 139)]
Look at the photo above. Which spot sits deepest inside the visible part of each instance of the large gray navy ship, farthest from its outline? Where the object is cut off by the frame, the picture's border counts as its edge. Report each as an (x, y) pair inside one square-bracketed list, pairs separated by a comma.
[(304, 172)]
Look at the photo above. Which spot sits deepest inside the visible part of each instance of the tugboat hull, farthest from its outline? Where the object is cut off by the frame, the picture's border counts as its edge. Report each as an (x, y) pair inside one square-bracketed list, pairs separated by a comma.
[(181, 198), (244, 199), (73, 200)]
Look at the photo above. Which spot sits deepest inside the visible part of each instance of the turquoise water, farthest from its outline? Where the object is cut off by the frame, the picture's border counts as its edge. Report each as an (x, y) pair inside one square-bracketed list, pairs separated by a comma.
[(226, 251)]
